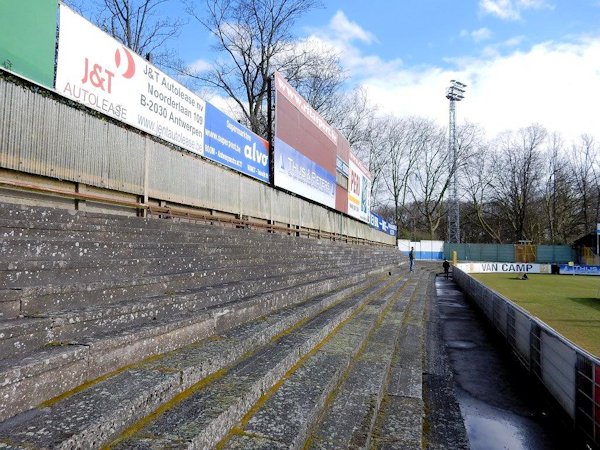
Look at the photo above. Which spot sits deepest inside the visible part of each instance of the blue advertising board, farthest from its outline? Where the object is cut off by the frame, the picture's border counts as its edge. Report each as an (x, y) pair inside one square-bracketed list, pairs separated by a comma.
[(382, 225), (565, 269), (297, 173), (235, 146)]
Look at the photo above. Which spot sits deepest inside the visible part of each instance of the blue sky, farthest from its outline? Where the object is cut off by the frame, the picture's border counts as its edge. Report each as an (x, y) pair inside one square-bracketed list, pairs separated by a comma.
[(524, 61), (431, 31)]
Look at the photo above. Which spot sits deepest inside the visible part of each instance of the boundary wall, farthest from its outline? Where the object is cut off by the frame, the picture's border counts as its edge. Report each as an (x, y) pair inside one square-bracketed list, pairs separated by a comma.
[(570, 374), (62, 142), (428, 250)]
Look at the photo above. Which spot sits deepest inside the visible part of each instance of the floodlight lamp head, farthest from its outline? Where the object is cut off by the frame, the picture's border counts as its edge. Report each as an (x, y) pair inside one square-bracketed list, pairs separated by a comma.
[(456, 91)]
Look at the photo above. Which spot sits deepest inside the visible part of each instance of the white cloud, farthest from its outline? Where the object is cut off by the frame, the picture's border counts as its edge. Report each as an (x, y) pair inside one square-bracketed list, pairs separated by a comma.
[(339, 36), (504, 9), (200, 65), (512, 42), (510, 9), (478, 35), (557, 85), (224, 103), (346, 30), (481, 34)]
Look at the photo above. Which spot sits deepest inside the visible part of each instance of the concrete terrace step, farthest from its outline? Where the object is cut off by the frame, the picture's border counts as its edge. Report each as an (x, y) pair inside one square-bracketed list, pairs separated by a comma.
[(34, 250), (39, 300), (64, 219), (380, 374), (36, 300), (205, 414), (41, 376), (114, 402), (39, 273), (72, 324), (25, 273), (202, 235), (27, 267), (351, 367), (14, 249), (113, 270), (205, 417)]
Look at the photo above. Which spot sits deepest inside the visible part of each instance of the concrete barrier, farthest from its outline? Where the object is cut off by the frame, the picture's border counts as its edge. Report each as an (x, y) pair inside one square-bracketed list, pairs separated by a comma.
[(570, 374)]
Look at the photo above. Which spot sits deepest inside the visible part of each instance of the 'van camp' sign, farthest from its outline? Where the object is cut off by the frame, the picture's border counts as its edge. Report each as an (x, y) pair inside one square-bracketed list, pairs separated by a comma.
[(483, 267)]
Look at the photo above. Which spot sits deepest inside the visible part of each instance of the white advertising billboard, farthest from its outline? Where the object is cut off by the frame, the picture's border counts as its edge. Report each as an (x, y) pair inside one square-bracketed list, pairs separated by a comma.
[(359, 190), (96, 70), (483, 267)]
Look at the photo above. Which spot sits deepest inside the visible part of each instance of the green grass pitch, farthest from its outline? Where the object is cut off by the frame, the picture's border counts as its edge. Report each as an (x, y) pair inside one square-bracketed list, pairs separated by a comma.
[(568, 303)]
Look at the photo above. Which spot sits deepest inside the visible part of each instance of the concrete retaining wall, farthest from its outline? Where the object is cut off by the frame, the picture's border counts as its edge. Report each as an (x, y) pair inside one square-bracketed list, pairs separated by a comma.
[(571, 375)]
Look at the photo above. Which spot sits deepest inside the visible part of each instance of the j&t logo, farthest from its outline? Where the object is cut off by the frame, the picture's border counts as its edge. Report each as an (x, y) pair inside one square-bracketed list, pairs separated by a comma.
[(101, 77), (130, 69)]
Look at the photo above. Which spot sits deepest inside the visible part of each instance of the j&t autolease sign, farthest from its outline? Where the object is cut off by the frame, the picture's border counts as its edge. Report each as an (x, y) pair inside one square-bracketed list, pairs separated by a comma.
[(96, 70)]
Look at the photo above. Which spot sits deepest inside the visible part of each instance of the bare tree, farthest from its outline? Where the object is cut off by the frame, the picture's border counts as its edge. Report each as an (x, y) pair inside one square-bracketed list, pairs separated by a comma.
[(355, 117), (404, 140), (315, 71), (586, 180), (431, 177), (372, 150), (518, 176), (477, 182), (559, 196), (255, 38), (139, 24)]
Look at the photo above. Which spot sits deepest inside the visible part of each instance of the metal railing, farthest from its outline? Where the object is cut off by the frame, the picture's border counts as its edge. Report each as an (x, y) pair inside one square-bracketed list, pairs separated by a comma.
[(180, 213)]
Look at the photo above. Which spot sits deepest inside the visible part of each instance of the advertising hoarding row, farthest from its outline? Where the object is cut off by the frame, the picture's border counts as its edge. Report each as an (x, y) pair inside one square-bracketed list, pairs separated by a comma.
[(313, 159), (110, 78)]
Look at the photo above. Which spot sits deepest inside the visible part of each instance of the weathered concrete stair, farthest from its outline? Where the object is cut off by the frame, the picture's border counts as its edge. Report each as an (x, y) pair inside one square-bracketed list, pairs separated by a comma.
[(90, 417), (80, 316)]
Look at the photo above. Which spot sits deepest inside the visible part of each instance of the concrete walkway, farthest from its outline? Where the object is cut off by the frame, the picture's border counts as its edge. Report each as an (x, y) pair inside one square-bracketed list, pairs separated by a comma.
[(500, 406)]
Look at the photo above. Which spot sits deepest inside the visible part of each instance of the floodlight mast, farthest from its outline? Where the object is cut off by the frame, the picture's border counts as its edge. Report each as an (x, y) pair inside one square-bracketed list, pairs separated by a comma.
[(455, 93)]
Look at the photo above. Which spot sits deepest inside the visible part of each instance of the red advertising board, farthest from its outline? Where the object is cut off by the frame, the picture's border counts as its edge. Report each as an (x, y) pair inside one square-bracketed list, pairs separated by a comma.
[(305, 147), (312, 159)]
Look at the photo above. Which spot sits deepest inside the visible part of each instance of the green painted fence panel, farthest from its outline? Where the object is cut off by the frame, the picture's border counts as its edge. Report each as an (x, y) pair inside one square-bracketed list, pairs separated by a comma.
[(555, 254), (28, 38), (489, 252), (506, 252)]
